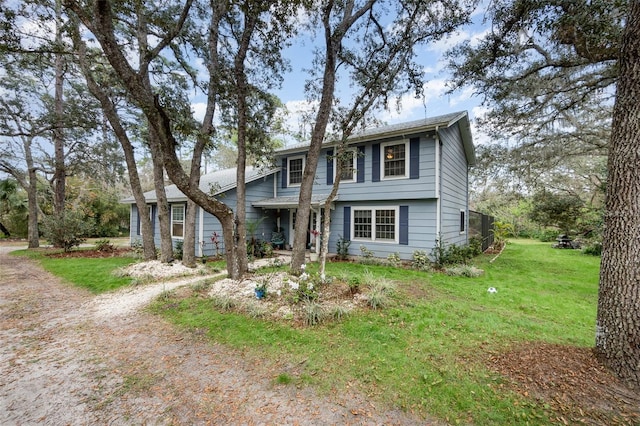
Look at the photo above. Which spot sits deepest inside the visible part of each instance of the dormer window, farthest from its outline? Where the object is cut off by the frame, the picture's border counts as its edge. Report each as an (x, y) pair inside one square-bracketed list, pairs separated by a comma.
[(394, 164), (295, 167)]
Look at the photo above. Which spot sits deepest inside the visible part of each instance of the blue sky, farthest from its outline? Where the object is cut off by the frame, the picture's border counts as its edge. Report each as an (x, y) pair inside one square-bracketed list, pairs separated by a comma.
[(435, 101)]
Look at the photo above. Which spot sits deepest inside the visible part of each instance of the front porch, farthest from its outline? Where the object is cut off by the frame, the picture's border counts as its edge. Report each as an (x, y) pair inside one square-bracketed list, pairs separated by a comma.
[(284, 210)]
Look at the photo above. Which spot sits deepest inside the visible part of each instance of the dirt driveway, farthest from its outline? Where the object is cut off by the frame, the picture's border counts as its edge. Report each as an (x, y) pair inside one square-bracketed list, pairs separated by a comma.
[(65, 358)]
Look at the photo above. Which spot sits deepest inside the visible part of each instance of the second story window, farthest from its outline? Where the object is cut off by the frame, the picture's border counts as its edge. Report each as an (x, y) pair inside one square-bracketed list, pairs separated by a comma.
[(394, 157), (348, 162), (295, 167)]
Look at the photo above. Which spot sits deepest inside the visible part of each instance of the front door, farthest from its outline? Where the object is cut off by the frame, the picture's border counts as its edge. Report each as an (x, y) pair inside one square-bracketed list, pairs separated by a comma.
[(313, 217)]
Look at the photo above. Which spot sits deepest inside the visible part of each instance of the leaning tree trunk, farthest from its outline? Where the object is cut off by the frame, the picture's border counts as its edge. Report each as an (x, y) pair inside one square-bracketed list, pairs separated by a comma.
[(618, 327), (110, 112)]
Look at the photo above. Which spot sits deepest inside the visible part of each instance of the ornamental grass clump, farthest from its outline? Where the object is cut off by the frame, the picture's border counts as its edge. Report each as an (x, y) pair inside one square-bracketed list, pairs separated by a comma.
[(468, 271)]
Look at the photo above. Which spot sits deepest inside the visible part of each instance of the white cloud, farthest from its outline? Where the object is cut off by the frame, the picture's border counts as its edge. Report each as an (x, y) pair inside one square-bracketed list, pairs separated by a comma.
[(198, 110), (412, 107)]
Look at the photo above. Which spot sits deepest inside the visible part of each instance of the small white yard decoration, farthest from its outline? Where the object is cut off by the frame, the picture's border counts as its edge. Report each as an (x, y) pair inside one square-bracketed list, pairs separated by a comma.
[(492, 290)]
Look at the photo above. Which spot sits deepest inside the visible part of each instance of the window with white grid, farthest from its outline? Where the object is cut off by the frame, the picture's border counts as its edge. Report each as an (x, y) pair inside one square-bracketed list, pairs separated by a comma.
[(385, 225), (295, 167), (177, 220), (348, 161), (394, 156), (375, 224), (362, 224)]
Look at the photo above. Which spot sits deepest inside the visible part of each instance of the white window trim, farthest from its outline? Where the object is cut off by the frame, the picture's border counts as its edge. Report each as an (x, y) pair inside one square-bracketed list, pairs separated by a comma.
[(354, 166), (406, 160), (184, 216), (304, 163), (373, 239)]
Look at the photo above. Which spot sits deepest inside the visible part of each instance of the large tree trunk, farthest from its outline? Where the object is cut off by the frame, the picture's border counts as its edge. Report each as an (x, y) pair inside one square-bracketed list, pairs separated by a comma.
[(33, 235), (317, 137), (189, 246), (60, 173), (618, 327), (109, 110), (164, 216), (31, 187), (101, 24)]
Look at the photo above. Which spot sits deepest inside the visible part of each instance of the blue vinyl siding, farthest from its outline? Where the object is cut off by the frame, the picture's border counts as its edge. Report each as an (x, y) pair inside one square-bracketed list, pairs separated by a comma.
[(421, 186), (454, 188), (421, 219)]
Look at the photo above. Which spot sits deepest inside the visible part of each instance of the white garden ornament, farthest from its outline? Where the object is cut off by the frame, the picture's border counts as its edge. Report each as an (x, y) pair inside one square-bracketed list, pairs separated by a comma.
[(492, 290)]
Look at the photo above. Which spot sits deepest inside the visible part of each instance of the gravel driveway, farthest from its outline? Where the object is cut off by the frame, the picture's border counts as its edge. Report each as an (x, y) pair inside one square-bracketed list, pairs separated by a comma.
[(68, 357)]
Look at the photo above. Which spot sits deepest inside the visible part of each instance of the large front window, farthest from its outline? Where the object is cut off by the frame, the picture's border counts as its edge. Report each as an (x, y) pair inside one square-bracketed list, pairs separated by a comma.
[(395, 160), (295, 167), (177, 220), (375, 224)]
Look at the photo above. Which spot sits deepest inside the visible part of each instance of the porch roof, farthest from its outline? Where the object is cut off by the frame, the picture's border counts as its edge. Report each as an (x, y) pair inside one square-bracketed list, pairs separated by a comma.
[(290, 202)]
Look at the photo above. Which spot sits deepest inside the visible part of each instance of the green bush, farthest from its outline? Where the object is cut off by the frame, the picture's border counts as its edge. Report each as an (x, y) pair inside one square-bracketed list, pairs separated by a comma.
[(454, 254), (178, 250), (342, 247), (66, 230), (593, 248), (104, 245), (420, 260), (547, 235)]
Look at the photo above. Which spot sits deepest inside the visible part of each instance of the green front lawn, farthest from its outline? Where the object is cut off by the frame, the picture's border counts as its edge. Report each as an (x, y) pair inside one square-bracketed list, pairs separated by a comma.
[(426, 354), (94, 274)]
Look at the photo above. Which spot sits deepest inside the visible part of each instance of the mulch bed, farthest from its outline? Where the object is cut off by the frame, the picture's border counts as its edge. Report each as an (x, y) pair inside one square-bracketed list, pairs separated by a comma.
[(571, 381), (114, 252)]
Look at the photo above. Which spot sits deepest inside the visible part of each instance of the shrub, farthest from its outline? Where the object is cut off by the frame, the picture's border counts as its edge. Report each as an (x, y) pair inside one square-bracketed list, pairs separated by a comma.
[(452, 255), (469, 271), (593, 248), (547, 235), (394, 259), (314, 313), (377, 299), (354, 283), (342, 248), (178, 250), (420, 260), (104, 245), (66, 230)]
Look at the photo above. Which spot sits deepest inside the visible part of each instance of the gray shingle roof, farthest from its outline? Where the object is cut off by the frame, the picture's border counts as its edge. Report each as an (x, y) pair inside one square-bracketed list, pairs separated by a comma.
[(215, 183), (399, 129)]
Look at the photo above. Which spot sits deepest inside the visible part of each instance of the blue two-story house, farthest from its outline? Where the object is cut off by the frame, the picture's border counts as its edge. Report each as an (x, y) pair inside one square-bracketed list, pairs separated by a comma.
[(403, 185)]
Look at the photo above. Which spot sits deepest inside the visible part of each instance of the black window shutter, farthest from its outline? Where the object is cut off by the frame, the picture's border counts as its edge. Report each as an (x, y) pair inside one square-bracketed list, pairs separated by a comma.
[(347, 223), (284, 172), (154, 209), (414, 158), (330, 167), (375, 161), (138, 225), (360, 165), (404, 225)]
